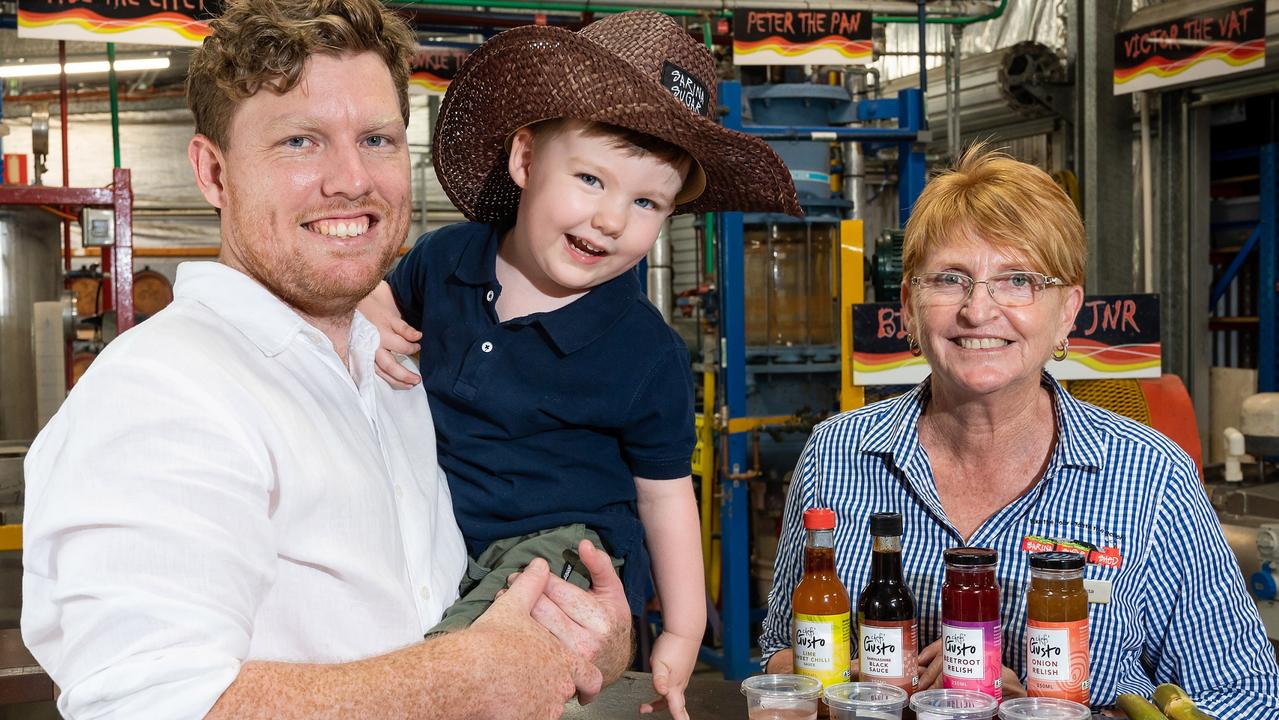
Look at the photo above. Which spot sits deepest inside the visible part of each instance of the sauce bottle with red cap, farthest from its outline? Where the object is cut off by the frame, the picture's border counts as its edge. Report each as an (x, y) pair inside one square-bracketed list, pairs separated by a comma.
[(822, 622)]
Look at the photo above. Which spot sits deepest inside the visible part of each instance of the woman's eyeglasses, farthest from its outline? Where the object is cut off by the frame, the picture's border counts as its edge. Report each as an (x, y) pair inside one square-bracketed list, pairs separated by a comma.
[(1010, 289)]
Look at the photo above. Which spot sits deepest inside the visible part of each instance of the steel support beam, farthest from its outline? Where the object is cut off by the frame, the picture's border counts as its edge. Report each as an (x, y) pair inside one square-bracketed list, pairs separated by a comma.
[(1183, 274), (1103, 149)]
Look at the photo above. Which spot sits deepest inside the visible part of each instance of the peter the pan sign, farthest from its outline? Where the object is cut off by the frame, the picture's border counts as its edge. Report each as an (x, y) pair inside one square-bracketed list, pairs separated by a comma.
[(795, 36), (1221, 41)]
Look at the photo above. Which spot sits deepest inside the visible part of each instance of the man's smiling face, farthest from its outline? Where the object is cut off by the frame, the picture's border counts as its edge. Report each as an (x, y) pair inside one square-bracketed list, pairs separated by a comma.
[(315, 186)]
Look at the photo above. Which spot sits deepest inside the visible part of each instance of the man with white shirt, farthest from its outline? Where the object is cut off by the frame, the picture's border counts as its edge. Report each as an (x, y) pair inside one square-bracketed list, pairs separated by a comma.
[(231, 515)]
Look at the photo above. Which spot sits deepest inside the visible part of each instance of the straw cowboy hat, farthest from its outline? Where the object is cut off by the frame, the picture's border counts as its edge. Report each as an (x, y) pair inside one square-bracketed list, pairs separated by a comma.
[(637, 70)]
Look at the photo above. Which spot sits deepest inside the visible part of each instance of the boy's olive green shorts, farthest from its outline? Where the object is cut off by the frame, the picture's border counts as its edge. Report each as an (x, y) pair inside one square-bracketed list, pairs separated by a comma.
[(487, 574)]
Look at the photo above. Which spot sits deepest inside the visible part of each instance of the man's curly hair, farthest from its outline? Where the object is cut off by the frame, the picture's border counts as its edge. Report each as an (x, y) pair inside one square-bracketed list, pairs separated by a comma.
[(265, 43)]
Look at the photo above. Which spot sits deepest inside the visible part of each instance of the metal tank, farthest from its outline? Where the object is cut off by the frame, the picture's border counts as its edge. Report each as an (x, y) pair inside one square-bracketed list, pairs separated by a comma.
[(30, 272), (790, 262)]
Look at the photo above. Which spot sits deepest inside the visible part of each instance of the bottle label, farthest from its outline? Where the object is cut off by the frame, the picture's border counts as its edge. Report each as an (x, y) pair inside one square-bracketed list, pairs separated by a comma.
[(823, 647), (971, 658), (1057, 660), (887, 652)]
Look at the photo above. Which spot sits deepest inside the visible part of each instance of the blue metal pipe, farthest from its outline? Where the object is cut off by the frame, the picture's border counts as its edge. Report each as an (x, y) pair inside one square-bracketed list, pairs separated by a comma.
[(912, 170), (734, 507), (1232, 270)]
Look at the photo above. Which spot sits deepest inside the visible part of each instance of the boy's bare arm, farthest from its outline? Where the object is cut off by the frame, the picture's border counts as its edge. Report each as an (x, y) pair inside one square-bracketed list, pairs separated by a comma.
[(447, 677), (668, 510), (395, 336)]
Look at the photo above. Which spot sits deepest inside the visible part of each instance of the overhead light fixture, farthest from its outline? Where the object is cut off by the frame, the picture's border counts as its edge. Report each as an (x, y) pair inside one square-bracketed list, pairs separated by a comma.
[(31, 70)]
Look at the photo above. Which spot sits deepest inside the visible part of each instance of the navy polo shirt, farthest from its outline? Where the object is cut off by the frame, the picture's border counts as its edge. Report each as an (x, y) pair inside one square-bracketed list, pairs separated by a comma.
[(545, 420)]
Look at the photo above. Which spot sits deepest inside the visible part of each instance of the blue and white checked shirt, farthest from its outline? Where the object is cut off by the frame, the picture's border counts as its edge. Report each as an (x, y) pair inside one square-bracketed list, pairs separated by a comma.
[(1178, 611)]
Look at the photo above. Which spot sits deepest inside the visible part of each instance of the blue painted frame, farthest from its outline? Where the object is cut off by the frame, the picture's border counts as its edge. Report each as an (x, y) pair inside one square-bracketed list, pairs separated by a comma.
[(1268, 293), (735, 661)]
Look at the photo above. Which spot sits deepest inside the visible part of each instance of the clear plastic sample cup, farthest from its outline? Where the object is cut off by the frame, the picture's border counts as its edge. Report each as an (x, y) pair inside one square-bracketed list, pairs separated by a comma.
[(781, 697), (953, 705), (1037, 708), (865, 701)]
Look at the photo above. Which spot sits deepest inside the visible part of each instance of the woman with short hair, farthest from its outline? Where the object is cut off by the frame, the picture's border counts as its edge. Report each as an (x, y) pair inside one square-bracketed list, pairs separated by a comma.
[(989, 450)]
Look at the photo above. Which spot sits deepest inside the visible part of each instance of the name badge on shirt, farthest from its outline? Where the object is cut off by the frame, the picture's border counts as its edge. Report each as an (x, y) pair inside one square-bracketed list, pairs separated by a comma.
[(1098, 591), (1108, 557)]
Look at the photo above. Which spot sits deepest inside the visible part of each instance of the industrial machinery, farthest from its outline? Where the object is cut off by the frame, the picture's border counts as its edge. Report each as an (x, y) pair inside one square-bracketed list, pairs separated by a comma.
[(1032, 80), (785, 286), (1161, 403), (1261, 425), (1246, 498)]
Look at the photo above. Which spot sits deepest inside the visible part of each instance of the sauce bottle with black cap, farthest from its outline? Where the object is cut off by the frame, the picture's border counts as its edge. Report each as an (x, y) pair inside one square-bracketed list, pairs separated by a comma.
[(887, 626)]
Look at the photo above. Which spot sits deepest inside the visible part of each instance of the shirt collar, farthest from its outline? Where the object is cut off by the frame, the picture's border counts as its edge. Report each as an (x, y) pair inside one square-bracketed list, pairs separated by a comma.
[(571, 327), (896, 433), (1078, 444), (266, 320), (584, 320), (477, 263)]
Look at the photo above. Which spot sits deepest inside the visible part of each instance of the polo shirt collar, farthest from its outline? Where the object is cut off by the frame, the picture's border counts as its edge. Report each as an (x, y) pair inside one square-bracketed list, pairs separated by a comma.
[(896, 433), (477, 263), (584, 320), (571, 327), (266, 320)]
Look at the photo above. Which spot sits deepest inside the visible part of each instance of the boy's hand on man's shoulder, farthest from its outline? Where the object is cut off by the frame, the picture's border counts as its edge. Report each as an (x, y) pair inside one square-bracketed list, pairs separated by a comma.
[(397, 339), (388, 365)]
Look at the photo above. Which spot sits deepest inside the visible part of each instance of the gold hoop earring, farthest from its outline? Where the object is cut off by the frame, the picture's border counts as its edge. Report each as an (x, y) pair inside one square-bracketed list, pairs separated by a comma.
[(914, 345), (1062, 350)]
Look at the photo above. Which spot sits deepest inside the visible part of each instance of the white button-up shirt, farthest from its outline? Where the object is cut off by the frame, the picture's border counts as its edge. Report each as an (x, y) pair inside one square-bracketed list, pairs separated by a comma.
[(218, 488)]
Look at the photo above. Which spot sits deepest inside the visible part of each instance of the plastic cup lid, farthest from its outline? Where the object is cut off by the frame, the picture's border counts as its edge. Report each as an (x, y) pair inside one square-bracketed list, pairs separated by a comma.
[(865, 696), (1043, 709), (797, 687), (959, 704)]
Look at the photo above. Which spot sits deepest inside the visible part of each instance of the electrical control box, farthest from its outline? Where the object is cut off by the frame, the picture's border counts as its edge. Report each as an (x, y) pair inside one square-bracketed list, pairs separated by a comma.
[(98, 226)]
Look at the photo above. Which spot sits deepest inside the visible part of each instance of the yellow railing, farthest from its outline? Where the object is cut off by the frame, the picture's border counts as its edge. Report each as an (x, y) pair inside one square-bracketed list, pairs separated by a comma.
[(852, 291), (10, 537)]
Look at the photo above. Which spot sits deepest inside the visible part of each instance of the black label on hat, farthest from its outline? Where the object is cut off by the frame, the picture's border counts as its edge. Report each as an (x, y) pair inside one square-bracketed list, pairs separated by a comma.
[(686, 88)]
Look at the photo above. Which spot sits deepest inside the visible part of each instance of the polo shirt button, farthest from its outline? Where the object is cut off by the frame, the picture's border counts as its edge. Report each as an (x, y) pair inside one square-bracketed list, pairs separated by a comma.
[(426, 593), (487, 347), (399, 492), (489, 296)]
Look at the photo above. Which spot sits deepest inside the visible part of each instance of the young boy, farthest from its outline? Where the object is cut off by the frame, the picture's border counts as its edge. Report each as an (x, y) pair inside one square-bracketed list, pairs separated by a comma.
[(563, 403)]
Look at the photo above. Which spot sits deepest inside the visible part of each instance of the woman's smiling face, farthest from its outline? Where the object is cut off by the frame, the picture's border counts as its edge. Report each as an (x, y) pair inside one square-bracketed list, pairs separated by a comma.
[(974, 345)]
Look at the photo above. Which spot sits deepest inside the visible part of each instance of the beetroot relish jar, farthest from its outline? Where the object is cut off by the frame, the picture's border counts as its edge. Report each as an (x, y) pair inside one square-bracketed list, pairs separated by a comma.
[(971, 636)]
